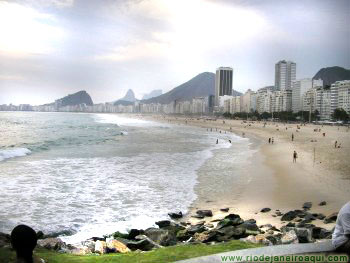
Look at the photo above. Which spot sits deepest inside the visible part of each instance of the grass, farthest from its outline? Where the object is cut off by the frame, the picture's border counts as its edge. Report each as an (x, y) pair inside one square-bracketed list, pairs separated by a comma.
[(161, 255)]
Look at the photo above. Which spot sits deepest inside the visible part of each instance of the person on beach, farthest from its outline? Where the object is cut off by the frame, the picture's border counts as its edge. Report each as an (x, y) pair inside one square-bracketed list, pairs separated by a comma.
[(295, 156), (269, 140), (217, 141), (229, 141), (341, 234), (23, 241), (272, 140), (335, 144), (292, 136)]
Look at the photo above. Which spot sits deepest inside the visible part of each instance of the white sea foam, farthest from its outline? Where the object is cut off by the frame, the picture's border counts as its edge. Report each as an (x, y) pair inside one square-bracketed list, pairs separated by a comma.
[(123, 121), (13, 152)]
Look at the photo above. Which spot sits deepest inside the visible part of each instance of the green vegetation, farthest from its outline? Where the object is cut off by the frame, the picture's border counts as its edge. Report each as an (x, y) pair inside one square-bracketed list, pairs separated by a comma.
[(340, 115), (161, 255)]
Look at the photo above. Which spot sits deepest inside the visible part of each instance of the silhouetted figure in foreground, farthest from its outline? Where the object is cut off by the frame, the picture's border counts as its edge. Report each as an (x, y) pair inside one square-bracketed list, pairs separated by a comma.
[(23, 240), (217, 141)]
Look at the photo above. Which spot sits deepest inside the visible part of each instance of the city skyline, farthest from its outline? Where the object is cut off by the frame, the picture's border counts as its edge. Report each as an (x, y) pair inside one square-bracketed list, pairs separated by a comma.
[(58, 47)]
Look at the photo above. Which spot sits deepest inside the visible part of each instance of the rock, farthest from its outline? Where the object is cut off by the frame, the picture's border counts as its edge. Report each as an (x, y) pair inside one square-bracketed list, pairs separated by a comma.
[(136, 245), (175, 215), (321, 233), (226, 209), (163, 223), (307, 205), (195, 229), (309, 217), (331, 218), (134, 232), (250, 221), (290, 224), (275, 240), (198, 216), (278, 213), (89, 244), (322, 203), (258, 239), (146, 243), (200, 222), (209, 225), (250, 226), (304, 235), (289, 216), (52, 243), (119, 234), (40, 234), (235, 219), (100, 247), (80, 251), (230, 232), (5, 238), (117, 246), (273, 228), (320, 216), (183, 235), (224, 223), (289, 237), (204, 213), (205, 237), (265, 210), (161, 236), (98, 238)]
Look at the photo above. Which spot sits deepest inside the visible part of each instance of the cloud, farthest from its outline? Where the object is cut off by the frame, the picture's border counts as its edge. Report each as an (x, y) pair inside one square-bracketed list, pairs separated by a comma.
[(25, 31)]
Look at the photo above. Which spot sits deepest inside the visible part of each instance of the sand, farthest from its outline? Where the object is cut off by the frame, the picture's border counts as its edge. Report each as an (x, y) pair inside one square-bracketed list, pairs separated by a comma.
[(321, 173)]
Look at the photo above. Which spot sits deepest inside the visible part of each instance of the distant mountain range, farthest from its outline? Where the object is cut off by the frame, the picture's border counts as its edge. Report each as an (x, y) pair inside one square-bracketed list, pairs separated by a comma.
[(201, 85), (128, 99), (77, 98), (152, 94), (332, 74)]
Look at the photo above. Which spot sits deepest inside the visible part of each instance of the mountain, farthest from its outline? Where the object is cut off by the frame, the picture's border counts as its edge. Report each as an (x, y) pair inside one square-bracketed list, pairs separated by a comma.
[(74, 99), (332, 74), (129, 96), (201, 85), (153, 93)]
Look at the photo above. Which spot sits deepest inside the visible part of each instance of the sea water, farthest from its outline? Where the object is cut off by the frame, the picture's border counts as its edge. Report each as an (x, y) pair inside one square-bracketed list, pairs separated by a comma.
[(94, 174)]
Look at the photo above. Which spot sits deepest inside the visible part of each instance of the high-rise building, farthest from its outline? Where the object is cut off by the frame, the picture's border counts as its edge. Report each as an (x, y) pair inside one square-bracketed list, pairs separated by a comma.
[(340, 95), (299, 88), (223, 83), (285, 74)]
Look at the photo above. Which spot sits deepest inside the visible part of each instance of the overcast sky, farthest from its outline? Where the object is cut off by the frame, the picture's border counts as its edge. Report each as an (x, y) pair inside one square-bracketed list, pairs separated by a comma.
[(50, 48)]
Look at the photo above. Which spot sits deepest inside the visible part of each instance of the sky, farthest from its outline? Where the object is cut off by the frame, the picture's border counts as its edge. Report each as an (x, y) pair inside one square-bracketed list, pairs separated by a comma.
[(52, 48)]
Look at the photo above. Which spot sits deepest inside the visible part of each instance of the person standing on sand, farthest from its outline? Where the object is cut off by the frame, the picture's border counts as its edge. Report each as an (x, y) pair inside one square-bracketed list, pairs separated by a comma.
[(341, 234), (295, 156), (272, 140), (292, 136), (217, 141), (335, 144), (269, 140)]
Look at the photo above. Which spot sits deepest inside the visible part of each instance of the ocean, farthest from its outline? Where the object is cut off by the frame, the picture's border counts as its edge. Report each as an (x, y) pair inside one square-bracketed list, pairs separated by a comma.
[(94, 174)]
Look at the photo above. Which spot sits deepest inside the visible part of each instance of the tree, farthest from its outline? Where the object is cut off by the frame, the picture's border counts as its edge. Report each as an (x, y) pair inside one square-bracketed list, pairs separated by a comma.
[(340, 114)]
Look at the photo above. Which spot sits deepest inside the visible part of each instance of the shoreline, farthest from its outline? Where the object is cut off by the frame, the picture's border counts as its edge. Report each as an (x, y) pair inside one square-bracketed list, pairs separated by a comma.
[(276, 182)]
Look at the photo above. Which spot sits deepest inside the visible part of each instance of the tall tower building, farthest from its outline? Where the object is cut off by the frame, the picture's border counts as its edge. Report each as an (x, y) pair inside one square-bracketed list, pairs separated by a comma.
[(285, 74), (223, 83)]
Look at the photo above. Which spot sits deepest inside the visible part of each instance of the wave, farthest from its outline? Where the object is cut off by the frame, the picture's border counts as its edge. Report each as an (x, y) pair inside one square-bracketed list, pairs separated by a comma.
[(12, 153)]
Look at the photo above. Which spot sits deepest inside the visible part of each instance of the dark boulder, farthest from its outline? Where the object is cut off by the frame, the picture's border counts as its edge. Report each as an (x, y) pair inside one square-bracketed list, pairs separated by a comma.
[(224, 209), (204, 213), (307, 205), (322, 203), (175, 215), (163, 223), (321, 233), (289, 216), (134, 232), (265, 210), (161, 236), (331, 218), (224, 223), (195, 229)]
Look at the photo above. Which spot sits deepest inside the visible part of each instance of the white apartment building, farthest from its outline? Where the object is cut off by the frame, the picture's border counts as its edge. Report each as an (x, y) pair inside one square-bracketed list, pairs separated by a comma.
[(235, 105), (285, 75), (263, 102), (340, 95), (323, 103), (248, 103), (299, 88)]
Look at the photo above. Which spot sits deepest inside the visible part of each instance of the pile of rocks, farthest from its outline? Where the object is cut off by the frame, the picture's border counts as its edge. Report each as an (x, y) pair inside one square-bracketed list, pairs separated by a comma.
[(297, 229)]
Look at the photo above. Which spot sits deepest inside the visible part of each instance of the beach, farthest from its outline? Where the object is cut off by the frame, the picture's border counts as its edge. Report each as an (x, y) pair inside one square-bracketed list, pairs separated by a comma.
[(321, 172)]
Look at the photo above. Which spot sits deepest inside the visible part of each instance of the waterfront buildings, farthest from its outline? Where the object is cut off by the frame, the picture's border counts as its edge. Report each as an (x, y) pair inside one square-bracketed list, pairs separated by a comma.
[(285, 74), (223, 83)]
